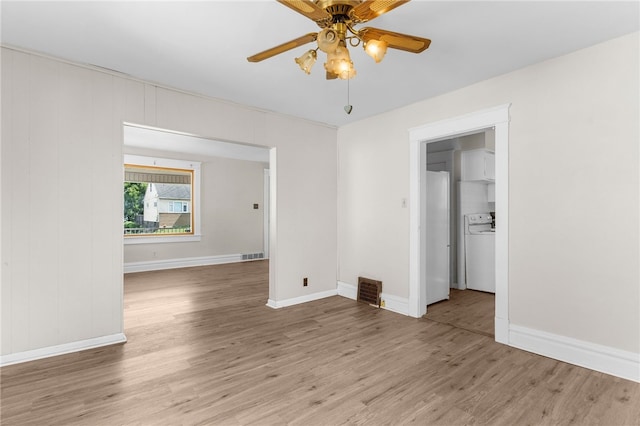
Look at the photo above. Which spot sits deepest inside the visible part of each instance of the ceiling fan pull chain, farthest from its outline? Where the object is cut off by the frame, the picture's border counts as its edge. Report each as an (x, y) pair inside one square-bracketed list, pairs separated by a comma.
[(348, 107)]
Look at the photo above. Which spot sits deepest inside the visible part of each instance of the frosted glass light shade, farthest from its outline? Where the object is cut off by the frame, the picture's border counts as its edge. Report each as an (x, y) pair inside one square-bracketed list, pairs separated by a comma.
[(339, 63), (328, 40), (376, 49), (307, 60)]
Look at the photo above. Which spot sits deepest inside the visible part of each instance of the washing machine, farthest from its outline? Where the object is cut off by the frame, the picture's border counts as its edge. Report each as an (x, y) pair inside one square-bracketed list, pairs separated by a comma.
[(480, 249)]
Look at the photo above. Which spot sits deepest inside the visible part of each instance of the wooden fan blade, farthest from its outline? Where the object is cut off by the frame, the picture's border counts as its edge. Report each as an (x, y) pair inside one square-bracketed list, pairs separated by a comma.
[(300, 41), (399, 41), (308, 9), (370, 9)]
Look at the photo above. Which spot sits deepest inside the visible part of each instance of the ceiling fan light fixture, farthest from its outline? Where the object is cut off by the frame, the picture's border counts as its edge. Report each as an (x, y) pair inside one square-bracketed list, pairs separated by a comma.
[(339, 63), (328, 40), (376, 49), (337, 20), (307, 61)]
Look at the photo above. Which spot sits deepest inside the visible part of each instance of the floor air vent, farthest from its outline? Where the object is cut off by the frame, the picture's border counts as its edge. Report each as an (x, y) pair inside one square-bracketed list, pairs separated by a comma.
[(250, 256), (369, 291)]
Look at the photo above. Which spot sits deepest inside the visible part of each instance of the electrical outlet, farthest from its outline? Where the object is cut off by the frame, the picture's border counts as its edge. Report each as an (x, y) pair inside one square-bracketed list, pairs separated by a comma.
[(305, 282)]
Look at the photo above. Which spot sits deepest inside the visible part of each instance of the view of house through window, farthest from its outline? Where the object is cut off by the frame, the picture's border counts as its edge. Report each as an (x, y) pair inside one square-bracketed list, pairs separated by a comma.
[(157, 201)]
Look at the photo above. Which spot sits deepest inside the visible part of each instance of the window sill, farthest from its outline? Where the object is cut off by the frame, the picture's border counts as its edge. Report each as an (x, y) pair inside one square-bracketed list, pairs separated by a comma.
[(160, 240)]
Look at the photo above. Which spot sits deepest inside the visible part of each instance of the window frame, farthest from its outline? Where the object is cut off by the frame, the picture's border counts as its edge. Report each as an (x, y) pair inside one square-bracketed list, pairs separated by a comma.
[(168, 163)]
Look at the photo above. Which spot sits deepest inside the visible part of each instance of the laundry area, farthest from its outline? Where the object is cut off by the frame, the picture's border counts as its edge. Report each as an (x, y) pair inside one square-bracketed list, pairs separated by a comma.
[(460, 251)]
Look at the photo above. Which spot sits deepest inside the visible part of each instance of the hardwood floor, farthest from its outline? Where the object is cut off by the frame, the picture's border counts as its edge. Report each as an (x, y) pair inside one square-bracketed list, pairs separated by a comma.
[(204, 349), (467, 309)]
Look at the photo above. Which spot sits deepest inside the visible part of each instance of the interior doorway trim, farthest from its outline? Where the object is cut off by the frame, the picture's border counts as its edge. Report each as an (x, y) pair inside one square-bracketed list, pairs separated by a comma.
[(273, 228), (498, 118), (266, 206)]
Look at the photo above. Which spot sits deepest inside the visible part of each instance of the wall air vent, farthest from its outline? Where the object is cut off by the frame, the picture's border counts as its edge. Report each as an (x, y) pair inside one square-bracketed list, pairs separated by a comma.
[(369, 291), (252, 256)]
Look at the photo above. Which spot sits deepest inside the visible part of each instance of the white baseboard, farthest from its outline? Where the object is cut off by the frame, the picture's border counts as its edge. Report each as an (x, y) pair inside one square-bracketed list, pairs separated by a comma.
[(65, 348), (347, 290), (596, 357), (395, 304), (302, 299), (392, 303), (158, 265)]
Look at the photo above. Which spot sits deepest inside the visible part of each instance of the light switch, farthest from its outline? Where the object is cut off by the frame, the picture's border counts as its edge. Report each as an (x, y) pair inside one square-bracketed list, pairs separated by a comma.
[(255, 206)]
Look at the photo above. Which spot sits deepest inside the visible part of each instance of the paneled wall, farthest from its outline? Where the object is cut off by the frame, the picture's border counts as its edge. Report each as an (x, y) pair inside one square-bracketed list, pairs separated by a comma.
[(62, 159)]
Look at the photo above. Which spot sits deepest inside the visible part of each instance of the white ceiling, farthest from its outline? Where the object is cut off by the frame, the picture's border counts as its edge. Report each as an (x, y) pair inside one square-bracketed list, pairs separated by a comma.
[(202, 47)]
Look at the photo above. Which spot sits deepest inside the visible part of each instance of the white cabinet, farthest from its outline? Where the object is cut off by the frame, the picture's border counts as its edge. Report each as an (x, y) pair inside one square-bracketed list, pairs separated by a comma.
[(478, 164)]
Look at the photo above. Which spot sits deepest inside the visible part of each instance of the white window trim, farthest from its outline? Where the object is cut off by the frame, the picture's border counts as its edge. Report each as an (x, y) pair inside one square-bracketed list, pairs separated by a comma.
[(195, 198)]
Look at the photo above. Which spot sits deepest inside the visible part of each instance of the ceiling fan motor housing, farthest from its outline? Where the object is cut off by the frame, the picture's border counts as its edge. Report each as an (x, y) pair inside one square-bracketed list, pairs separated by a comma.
[(337, 7), (340, 11)]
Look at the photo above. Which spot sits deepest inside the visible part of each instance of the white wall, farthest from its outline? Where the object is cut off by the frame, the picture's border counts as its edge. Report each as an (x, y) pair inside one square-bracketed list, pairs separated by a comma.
[(62, 138), (573, 149), (230, 225), (573, 200)]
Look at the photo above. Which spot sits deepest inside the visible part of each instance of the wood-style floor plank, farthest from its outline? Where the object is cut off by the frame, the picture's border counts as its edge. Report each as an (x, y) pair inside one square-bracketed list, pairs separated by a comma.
[(468, 309), (203, 349)]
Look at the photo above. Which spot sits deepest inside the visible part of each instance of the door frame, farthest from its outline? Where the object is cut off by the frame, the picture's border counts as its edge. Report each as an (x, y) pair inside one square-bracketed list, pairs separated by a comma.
[(266, 206), (497, 118)]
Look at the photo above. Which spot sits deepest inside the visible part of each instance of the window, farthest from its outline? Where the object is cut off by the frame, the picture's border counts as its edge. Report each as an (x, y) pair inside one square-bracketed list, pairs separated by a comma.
[(178, 207), (159, 200)]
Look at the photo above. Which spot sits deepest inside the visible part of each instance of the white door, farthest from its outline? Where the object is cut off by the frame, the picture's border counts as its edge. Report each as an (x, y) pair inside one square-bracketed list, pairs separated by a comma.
[(437, 236)]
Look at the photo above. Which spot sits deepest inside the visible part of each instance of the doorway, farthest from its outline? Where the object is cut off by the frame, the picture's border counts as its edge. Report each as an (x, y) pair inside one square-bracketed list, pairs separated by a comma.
[(246, 166), (497, 118)]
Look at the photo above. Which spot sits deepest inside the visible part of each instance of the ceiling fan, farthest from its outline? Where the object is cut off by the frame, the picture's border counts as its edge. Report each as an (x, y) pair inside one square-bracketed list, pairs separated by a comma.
[(337, 19)]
